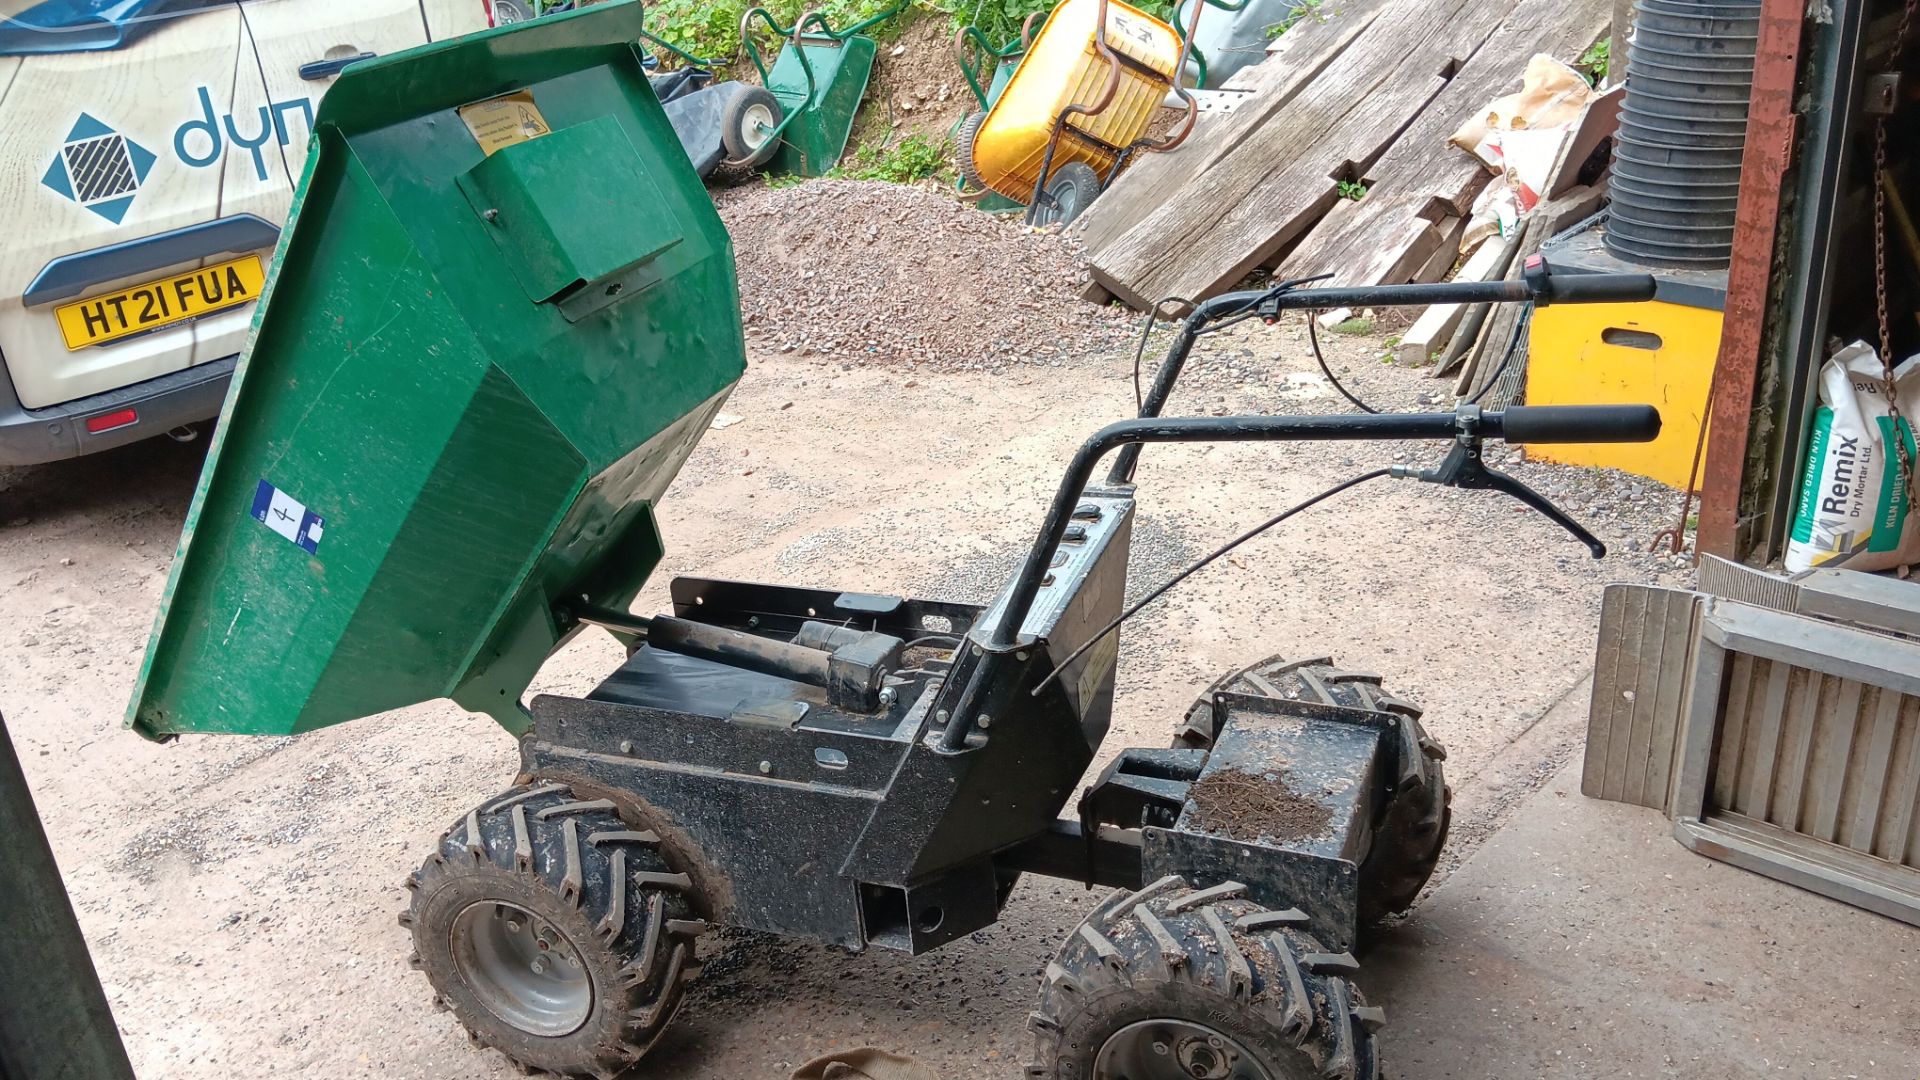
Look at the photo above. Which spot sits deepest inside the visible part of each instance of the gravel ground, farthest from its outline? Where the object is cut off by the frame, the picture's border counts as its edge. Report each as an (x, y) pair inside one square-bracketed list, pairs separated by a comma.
[(871, 272)]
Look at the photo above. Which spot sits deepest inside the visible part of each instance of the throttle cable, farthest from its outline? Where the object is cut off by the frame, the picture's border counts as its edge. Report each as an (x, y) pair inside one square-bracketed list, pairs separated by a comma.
[(1130, 612), (1313, 335)]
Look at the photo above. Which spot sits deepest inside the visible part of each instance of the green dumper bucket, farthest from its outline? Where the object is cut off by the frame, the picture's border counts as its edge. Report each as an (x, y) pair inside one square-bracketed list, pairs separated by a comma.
[(501, 316)]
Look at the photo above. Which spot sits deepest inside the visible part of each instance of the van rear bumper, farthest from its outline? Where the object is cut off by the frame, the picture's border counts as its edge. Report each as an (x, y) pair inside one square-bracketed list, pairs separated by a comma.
[(33, 436)]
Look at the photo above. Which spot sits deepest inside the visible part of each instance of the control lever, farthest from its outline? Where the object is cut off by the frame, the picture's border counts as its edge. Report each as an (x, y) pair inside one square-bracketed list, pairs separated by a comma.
[(1464, 467)]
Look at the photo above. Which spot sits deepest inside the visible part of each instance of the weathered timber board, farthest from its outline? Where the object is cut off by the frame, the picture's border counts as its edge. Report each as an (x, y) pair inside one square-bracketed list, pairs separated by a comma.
[(1263, 193), (1446, 251), (1435, 326), (1422, 176)]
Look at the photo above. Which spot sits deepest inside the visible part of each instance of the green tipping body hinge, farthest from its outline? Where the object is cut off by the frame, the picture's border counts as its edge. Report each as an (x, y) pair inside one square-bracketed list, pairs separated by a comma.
[(490, 338)]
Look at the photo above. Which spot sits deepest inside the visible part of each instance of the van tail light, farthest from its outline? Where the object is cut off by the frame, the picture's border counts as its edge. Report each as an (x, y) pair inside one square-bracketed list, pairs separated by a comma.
[(111, 421)]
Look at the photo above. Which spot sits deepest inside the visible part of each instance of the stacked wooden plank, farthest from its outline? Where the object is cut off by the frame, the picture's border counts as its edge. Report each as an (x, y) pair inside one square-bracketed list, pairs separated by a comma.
[(1365, 91)]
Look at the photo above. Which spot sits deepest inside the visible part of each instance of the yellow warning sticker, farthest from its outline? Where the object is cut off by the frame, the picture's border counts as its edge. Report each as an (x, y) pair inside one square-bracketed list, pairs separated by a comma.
[(502, 121)]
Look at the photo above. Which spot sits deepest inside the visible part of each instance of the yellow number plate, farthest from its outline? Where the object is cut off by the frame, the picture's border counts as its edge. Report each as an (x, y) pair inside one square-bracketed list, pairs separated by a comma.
[(101, 319)]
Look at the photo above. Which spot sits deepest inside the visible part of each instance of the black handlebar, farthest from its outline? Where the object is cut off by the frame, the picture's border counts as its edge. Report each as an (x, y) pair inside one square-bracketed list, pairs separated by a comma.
[(1578, 423), (1462, 468), (1536, 423), (1538, 284)]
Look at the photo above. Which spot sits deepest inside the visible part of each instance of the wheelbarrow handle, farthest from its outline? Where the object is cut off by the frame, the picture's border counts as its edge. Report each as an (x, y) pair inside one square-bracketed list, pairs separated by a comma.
[(1030, 28), (1175, 138), (759, 63), (814, 16), (969, 44), (871, 21), (1095, 108)]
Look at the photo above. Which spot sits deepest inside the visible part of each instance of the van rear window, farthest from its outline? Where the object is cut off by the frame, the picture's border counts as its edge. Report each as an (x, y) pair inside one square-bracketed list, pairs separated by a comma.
[(30, 27)]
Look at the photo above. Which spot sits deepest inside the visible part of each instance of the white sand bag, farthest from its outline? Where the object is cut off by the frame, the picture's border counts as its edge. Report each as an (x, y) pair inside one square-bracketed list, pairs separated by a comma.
[(1851, 511)]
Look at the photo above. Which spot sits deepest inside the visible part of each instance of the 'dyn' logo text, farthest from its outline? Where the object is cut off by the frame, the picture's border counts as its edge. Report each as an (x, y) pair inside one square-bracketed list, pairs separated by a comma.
[(202, 141)]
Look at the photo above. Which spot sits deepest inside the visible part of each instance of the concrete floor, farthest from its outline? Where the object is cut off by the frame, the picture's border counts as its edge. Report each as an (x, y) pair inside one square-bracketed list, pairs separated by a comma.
[(1583, 941)]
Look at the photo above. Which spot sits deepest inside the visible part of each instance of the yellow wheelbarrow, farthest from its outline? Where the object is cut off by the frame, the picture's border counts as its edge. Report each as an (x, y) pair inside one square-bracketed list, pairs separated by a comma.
[(1077, 108)]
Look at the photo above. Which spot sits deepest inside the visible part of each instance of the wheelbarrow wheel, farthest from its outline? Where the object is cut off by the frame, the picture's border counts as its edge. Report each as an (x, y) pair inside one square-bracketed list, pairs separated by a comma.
[(509, 12), (1070, 190), (554, 931), (1411, 827), (963, 140), (1174, 982), (746, 126)]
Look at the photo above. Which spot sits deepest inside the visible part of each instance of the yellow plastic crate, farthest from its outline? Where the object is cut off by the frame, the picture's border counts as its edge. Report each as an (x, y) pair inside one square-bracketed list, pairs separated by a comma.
[(1657, 353), (1064, 68)]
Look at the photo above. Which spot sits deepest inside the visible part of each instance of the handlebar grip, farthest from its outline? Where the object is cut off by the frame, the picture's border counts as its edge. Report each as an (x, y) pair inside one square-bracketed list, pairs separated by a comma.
[(1580, 423), (1549, 287), (1599, 288)]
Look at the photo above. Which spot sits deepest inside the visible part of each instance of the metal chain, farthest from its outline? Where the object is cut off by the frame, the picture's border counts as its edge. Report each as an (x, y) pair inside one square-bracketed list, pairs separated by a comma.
[(1901, 455)]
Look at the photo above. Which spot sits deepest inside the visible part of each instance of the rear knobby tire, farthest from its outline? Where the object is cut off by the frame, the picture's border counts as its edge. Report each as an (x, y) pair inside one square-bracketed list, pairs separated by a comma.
[(1208, 977), (538, 862), (1411, 829)]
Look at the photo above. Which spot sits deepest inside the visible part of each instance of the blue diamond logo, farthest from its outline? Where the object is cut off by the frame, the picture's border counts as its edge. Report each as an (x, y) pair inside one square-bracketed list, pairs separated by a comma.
[(99, 168)]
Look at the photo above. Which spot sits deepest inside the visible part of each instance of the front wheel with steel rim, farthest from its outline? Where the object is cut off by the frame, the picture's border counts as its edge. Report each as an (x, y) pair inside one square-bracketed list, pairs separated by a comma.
[(1178, 983), (1176, 1050), (747, 126), (555, 931), (523, 969)]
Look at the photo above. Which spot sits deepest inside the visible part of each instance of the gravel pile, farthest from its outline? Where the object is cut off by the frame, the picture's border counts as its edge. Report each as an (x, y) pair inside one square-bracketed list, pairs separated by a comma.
[(871, 272)]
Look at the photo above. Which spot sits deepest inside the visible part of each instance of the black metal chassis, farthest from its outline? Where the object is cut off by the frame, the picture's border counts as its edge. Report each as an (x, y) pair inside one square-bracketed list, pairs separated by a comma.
[(797, 816), (904, 826), (859, 830)]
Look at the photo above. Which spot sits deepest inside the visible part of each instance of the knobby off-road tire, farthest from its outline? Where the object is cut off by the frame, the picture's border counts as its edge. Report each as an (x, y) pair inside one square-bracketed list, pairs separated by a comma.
[(554, 931), (1411, 830), (1177, 982)]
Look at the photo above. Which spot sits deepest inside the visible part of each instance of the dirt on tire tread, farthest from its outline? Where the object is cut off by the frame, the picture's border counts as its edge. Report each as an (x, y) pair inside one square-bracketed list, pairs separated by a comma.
[(1285, 1010), (530, 839)]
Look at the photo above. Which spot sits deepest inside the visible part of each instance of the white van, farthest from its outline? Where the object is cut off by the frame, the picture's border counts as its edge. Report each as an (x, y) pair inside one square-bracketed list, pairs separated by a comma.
[(149, 156)]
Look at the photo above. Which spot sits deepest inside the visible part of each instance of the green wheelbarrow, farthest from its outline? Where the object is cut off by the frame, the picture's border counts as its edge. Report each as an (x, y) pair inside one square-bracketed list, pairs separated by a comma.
[(819, 79)]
